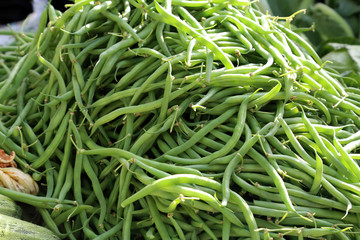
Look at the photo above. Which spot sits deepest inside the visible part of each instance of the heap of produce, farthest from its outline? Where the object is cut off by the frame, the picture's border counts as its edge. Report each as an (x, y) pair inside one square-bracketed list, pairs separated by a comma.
[(180, 120)]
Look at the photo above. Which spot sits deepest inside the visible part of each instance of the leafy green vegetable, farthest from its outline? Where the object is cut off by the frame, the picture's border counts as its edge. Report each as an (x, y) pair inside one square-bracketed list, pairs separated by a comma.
[(344, 57)]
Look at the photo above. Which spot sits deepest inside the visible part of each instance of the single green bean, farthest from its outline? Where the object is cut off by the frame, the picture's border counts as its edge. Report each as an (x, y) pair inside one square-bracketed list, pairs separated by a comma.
[(177, 227), (126, 230), (156, 216)]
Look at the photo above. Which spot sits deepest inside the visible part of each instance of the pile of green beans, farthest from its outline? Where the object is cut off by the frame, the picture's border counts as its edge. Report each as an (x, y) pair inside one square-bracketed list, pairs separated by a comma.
[(180, 120)]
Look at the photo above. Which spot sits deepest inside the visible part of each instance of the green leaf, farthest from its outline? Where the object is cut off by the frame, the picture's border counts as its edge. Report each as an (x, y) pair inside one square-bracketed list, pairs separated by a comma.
[(344, 57), (346, 8), (329, 23), (354, 52), (284, 8)]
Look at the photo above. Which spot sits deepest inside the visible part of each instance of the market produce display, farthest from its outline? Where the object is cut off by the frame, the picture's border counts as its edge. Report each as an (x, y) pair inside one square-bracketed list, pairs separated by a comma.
[(180, 120)]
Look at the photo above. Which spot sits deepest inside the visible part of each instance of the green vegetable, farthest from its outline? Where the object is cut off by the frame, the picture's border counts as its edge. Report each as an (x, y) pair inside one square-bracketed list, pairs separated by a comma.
[(178, 120), (13, 228), (9, 207)]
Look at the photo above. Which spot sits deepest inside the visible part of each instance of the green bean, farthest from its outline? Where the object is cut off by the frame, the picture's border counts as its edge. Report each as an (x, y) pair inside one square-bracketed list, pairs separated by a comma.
[(325, 150), (168, 18), (177, 227), (275, 176), (69, 13), (232, 164), (12, 77), (127, 222), (64, 165), (191, 4), (134, 73), (277, 40), (12, 146), (50, 223), (189, 52), (137, 159), (153, 139), (319, 212), (152, 77), (244, 36), (325, 83), (76, 45), (301, 42), (209, 66), (351, 146), (72, 212), (231, 80), (202, 181), (300, 149), (293, 46), (352, 197), (311, 99), (309, 144), (20, 97), (114, 48), (79, 102), (53, 145), (268, 47), (200, 223), (323, 129), (167, 92), (324, 181), (199, 135), (234, 100), (32, 138), (6, 108), (160, 39), (92, 45), (306, 78), (57, 99), (314, 232), (318, 176), (279, 113), (116, 229), (125, 179), (122, 24), (190, 152), (338, 102), (149, 136), (233, 140), (36, 201), (156, 216), (169, 140), (97, 190), (226, 229), (140, 108), (20, 118), (172, 205), (67, 184), (346, 159), (146, 52), (110, 62), (69, 231), (266, 97), (50, 180), (267, 195)]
